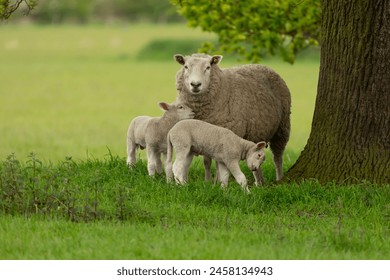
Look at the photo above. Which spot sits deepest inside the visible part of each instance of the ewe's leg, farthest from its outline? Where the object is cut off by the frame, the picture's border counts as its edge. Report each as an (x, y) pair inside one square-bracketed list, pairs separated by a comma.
[(223, 174), (207, 168), (181, 166), (258, 174), (278, 144), (278, 162), (234, 168)]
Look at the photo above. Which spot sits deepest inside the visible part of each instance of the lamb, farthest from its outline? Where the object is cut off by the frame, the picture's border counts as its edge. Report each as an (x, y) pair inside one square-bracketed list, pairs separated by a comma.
[(251, 100), (151, 132), (195, 137)]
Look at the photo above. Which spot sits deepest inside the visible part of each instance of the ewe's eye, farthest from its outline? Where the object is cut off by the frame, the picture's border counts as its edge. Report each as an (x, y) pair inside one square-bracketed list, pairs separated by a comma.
[(180, 107), (185, 67), (208, 68)]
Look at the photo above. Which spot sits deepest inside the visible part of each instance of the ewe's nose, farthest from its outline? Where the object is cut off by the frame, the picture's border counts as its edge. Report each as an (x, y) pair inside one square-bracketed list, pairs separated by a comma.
[(196, 84)]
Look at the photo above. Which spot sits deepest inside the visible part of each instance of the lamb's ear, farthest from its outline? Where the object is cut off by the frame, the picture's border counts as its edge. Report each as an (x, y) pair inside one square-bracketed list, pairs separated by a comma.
[(164, 106), (261, 145), (215, 59), (179, 58)]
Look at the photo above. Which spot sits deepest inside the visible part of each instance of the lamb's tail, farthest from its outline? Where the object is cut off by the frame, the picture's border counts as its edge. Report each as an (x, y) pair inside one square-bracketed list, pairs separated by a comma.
[(168, 162)]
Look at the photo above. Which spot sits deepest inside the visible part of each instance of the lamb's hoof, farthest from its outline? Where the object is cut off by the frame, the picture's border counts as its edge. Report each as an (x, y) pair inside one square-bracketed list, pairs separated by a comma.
[(247, 190)]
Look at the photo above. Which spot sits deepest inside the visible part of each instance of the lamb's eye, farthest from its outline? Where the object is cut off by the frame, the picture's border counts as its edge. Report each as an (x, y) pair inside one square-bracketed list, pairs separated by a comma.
[(208, 68), (180, 107), (185, 67)]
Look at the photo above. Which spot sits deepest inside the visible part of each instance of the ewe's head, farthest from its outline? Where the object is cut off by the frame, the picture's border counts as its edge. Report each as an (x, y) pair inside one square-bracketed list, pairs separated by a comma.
[(196, 71), (256, 156), (177, 110)]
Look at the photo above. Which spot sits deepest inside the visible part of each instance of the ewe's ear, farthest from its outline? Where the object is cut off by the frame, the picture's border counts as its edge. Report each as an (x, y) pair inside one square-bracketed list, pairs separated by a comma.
[(216, 59), (164, 106), (179, 58), (261, 145)]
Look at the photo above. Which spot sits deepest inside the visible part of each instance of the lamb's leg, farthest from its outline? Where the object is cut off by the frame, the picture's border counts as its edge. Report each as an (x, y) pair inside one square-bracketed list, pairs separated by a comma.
[(181, 166), (216, 179), (168, 170), (164, 158), (168, 161), (223, 174), (158, 163), (258, 174), (131, 151), (152, 160), (235, 169), (207, 168)]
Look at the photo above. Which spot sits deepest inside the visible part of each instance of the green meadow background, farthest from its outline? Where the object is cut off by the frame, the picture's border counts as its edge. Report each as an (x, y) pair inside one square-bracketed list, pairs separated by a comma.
[(67, 95), (72, 90)]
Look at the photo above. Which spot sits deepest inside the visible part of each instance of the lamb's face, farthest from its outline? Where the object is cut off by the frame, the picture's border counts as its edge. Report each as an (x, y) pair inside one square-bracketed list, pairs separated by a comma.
[(256, 156), (177, 110), (184, 112), (196, 71)]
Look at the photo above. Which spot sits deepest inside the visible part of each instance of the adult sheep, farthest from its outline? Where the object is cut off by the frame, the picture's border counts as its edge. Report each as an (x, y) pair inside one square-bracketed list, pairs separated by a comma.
[(251, 100)]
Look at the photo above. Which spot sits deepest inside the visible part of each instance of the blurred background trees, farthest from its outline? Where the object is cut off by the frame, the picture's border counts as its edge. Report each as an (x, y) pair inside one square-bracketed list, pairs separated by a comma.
[(249, 29), (92, 11)]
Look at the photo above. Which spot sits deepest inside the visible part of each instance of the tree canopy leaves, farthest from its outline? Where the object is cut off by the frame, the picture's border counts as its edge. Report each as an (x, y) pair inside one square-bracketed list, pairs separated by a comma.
[(254, 28), (7, 7)]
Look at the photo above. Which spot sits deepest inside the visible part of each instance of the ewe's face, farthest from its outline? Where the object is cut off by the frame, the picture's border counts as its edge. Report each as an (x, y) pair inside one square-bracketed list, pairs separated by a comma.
[(197, 71), (256, 156)]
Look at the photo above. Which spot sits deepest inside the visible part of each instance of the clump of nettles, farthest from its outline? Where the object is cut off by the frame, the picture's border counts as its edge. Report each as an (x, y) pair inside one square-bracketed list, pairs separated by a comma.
[(77, 192)]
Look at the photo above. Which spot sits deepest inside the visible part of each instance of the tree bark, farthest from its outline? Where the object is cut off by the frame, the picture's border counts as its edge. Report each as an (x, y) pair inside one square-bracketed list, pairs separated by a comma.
[(350, 135)]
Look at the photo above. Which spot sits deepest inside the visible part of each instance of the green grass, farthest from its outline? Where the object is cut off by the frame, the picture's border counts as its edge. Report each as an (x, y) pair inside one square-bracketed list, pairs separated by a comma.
[(99, 209), (73, 90)]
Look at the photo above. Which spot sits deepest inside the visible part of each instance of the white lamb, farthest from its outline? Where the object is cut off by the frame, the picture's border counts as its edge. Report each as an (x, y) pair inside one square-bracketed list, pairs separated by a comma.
[(195, 137), (151, 132)]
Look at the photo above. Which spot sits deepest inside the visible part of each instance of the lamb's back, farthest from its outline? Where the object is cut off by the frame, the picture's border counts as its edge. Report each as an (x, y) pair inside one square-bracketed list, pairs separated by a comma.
[(206, 139), (156, 133), (137, 129)]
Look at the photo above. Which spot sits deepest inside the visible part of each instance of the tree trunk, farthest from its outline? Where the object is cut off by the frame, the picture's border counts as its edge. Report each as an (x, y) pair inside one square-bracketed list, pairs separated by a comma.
[(350, 134)]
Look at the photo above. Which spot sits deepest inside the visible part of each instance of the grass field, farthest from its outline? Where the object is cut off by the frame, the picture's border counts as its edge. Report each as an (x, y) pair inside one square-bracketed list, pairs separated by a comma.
[(72, 91), (68, 94), (99, 210)]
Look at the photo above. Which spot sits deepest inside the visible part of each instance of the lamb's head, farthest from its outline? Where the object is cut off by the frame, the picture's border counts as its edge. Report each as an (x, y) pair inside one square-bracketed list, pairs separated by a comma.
[(177, 110), (197, 69), (256, 156)]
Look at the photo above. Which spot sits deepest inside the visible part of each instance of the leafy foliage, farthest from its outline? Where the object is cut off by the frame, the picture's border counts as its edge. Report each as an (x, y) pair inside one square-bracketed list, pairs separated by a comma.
[(254, 28), (7, 8)]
